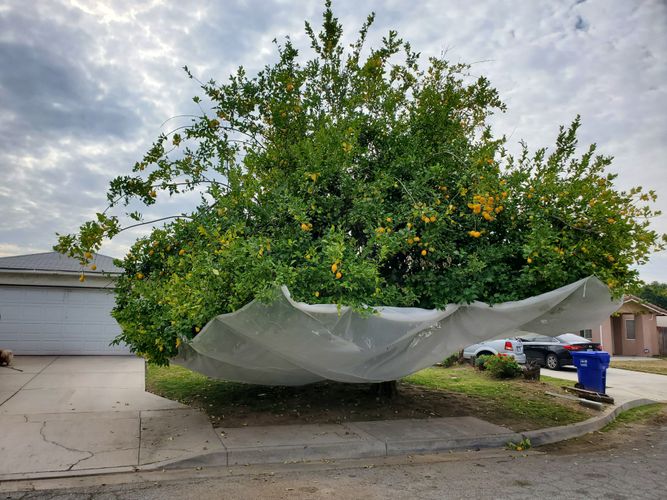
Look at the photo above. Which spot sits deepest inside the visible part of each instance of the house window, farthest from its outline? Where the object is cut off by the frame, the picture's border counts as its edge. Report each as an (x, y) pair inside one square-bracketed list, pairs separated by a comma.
[(587, 334), (630, 329)]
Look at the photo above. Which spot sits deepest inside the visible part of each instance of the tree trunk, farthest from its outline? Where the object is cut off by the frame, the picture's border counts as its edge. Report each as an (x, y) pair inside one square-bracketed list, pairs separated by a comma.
[(387, 389)]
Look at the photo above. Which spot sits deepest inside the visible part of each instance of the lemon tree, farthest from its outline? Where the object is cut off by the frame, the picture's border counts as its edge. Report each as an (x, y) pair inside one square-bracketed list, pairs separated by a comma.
[(360, 176)]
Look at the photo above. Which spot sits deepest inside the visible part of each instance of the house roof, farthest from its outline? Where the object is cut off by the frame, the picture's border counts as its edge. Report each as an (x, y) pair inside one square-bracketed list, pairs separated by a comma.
[(54, 262), (651, 307)]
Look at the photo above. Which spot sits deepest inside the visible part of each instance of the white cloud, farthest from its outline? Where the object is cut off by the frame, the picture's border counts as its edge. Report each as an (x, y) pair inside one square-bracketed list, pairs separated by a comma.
[(85, 86)]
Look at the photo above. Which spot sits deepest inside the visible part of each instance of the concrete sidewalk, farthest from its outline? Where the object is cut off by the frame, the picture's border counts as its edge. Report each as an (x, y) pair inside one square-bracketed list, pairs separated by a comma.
[(65, 416), (301, 443), (75, 413), (624, 385)]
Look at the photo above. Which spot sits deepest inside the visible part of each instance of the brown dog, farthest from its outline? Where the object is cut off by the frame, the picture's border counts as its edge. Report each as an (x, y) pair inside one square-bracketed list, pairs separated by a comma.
[(6, 357)]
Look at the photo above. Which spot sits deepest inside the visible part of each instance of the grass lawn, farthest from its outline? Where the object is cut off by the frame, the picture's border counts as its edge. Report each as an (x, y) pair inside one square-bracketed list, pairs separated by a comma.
[(639, 414), (517, 399), (433, 392), (658, 366)]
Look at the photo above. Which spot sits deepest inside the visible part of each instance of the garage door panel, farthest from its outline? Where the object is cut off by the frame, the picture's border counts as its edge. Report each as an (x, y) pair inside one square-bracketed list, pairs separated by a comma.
[(29, 347), (29, 312), (93, 347), (36, 295), (82, 332), (79, 314), (58, 320), (101, 298), (42, 313), (42, 330)]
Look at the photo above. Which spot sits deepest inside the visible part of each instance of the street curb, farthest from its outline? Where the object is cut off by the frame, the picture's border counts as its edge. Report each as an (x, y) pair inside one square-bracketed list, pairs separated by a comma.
[(372, 449), (564, 432), (289, 454)]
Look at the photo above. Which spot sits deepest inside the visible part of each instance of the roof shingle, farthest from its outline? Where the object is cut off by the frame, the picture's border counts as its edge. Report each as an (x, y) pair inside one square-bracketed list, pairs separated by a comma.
[(56, 262)]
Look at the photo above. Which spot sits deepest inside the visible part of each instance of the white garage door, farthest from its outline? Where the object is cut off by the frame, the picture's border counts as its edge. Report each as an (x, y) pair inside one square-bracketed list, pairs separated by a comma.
[(54, 320)]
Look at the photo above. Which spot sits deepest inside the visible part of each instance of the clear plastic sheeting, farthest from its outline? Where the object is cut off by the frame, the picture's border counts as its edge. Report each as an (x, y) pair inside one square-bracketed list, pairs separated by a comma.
[(292, 343)]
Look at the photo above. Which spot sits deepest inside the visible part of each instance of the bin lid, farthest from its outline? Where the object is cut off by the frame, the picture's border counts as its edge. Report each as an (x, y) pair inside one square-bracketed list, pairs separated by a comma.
[(591, 354)]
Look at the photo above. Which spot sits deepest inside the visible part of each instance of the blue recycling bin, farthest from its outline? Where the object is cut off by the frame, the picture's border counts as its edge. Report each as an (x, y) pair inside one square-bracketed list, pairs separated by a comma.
[(592, 369)]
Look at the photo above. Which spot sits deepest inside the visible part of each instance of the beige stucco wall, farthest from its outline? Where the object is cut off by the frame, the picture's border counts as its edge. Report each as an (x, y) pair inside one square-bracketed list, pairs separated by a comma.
[(603, 334), (629, 347), (613, 336), (646, 335), (649, 330)]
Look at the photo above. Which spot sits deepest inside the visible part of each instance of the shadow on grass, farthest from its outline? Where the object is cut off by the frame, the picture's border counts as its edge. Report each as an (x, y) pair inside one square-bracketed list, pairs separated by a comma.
[(434, 392)]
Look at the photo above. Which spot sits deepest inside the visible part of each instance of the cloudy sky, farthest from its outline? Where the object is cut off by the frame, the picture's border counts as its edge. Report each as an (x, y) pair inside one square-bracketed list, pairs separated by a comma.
[(85, 86)]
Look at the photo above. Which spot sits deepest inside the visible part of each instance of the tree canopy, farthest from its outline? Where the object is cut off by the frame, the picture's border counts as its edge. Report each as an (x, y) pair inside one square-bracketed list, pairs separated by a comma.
[(655, 293), (360, 177)]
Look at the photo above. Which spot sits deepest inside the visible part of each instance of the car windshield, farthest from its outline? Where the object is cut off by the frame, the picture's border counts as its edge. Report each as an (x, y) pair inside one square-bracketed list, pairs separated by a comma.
[(536, 338), (571, 338)]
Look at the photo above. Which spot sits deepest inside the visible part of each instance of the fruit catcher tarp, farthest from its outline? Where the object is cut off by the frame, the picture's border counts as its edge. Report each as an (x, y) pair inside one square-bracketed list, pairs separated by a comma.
[(291, 343)]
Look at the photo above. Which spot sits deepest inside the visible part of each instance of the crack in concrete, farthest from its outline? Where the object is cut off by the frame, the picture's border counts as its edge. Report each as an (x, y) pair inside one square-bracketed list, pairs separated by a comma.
[(31, 379), (46, 440)]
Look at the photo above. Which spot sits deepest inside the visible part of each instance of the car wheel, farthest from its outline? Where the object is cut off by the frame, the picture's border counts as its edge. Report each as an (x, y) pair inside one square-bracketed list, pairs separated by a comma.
[(551, 362)]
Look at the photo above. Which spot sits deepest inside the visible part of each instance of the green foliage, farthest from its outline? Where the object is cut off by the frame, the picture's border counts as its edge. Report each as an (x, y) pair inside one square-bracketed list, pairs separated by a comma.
[(640, 414), (480, 361), (655, 293), (451, 360), (522, 445), (361, 178), (645, 365), (502, 367), (516, 400)]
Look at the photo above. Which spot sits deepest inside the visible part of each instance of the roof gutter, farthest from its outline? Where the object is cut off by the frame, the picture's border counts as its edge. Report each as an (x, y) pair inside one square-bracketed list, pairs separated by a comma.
[(59, 273)]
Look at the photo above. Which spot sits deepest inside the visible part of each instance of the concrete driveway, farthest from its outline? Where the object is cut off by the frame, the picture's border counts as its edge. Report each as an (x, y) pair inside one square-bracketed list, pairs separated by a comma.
[(74, 413), (623, 385)]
